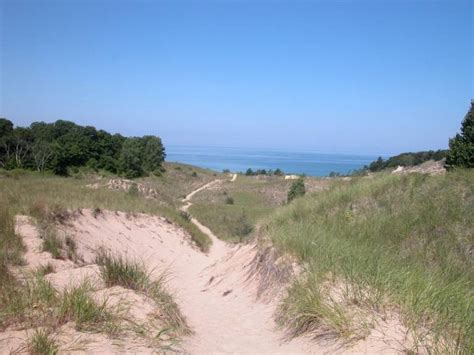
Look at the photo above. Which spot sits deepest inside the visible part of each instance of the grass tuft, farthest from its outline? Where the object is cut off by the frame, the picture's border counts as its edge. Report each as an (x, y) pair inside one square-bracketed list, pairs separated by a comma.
[(52, 243), (42, 343), (117, 271), (78, 306)]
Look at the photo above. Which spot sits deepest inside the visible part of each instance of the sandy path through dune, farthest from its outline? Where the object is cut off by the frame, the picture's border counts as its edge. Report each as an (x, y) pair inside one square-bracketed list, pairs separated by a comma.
[(220, 302), (212, 290)]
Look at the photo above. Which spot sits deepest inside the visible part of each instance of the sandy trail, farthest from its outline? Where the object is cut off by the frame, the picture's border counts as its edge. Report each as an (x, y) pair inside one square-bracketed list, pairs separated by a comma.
[(220, 302), (214, 290)]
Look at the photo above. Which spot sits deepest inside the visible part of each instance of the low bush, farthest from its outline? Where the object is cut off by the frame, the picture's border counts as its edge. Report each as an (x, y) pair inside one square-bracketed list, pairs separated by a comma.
[(297, 189)]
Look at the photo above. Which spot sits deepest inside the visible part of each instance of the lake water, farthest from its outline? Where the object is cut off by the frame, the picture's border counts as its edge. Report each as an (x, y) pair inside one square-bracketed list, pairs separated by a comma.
[(291, 162)]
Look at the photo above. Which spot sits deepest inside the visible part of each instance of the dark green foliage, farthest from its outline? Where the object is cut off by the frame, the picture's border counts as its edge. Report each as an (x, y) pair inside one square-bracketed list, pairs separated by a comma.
[(229, 200), (63, 145), (277, 172), (406, 159), (461, 147), (141, 155), (185, 215), (297, 189)]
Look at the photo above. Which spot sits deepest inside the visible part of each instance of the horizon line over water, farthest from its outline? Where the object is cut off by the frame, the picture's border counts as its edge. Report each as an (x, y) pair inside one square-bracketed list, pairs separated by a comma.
[(290, 161)]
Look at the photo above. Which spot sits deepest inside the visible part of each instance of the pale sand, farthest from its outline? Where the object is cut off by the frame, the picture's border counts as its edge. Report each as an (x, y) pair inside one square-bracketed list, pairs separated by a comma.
[(214, 290)]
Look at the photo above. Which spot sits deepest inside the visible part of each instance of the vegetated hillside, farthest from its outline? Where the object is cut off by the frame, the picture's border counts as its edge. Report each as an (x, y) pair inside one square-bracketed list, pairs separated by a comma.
[(407, 159), (232, 210), (31, 193), (376, 246)]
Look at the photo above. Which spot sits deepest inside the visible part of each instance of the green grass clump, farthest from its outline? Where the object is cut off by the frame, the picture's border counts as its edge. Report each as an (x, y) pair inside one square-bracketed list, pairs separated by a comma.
[(52, 243), (11, 246), (42, 343), (390, 241), (28, 303), (77, 305), (117, 271)]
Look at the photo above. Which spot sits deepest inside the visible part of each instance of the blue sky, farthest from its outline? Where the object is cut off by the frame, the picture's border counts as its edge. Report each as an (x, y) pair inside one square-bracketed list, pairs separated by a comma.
[(339, 76)]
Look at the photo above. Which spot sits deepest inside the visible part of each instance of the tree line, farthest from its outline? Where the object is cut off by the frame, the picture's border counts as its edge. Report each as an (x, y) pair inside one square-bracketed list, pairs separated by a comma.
[(407, 159), (63, 145), (459, 154)]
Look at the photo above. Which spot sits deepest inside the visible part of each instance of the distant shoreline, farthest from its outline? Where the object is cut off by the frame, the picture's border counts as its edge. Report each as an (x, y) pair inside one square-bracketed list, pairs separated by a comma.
[(290, 162)]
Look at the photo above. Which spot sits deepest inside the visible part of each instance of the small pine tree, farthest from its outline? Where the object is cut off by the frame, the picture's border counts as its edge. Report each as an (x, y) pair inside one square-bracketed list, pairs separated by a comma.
[(461, 147), (297, 189)]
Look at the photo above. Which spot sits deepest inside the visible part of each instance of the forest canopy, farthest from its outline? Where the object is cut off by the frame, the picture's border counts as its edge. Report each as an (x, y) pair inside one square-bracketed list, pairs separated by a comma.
[(62, 145)]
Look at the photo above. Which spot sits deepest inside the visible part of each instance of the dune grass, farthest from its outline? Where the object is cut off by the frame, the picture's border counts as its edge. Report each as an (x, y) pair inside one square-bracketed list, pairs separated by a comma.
[(48, 198), (387, 242), (41, 342), (52, 243), (116, 270), (77, 305)]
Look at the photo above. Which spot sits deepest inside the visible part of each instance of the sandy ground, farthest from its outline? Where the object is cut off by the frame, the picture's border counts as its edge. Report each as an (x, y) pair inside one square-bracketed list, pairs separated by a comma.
[(214, 290)]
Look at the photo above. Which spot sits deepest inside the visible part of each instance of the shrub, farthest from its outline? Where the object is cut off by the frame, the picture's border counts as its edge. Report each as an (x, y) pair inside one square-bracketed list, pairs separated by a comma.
[(194, 174), (229, 200), (278, 172), (297, 189), (185, 215), (243, 227)]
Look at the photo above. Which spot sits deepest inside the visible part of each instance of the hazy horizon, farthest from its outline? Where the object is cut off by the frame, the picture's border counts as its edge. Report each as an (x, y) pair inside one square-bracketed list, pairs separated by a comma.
[(361, 77)]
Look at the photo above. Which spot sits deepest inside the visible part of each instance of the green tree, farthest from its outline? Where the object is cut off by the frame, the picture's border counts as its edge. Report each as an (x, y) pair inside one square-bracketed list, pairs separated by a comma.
[(153, 153), (377, 165), (297, 189), (461, 147), (6, 127), (130, 161)]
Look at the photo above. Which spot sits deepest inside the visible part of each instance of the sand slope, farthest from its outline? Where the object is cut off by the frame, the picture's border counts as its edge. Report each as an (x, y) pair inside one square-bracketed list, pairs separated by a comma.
[(214, 290)]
